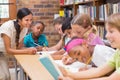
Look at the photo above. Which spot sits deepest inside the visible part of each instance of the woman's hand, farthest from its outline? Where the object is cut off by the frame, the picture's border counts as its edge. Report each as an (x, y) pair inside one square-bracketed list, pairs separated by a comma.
[(31, 50), (67, 60)]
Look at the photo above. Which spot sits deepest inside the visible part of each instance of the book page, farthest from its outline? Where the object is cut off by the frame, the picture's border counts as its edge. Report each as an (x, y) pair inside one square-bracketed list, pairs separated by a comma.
[(74, 67), (52, 68)]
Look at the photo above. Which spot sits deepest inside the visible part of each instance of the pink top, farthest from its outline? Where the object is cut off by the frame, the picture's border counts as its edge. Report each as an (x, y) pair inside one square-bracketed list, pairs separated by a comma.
[(93, 39)]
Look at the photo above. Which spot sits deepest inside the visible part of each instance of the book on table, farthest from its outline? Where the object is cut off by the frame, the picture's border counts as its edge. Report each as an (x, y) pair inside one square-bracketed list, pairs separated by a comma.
[(51, 67)]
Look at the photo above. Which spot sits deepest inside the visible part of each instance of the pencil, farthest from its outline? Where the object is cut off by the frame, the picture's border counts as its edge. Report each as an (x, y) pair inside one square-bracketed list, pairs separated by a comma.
[(36, 44), (44, 45), (88, 61)]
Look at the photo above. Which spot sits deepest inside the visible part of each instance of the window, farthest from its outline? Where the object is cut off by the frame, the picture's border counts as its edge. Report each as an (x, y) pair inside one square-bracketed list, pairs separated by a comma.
[(7, 10), (4, 9)]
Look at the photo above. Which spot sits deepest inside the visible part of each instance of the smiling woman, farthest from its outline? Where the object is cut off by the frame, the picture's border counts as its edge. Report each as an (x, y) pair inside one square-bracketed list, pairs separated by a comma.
[(12, 33)]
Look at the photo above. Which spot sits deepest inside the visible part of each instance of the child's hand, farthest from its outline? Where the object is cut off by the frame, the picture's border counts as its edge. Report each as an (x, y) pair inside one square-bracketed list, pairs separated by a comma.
[(45, 49), (67, 60), (64, 78), (39, 48), (63, 70), (83, 68)]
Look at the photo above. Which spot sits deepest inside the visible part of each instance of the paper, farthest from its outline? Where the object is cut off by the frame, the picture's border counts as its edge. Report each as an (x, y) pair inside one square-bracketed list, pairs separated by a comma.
[(48, 63), (45, 52), (74, 67), (102, 54)]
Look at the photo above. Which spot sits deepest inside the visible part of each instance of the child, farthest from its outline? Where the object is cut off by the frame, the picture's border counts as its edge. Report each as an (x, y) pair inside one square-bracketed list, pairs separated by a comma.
[(82, 27), (36, 38), (113, 65), (66, 30), (78, 49), (57, 24)]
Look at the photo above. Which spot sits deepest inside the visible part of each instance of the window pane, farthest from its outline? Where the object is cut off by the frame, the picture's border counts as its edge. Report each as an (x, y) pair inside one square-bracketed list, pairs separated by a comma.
[(4, 8)]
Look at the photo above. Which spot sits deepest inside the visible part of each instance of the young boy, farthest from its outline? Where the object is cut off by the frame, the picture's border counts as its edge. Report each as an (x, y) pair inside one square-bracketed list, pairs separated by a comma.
[(58, 25), (113, 65), (36, 38)]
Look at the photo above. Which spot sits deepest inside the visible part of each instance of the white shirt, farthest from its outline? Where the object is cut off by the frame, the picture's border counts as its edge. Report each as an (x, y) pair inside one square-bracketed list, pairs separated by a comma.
[(9, 29), (102, 54)]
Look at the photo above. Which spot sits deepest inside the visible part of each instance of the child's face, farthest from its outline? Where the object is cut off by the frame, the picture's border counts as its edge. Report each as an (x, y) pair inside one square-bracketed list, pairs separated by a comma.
[(58, 28), (37, 29), (78, 31), (113, 35), (80, 53), (68, 32)]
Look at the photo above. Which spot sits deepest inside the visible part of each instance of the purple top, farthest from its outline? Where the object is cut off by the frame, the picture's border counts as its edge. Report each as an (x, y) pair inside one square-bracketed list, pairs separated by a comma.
[(93, 39)]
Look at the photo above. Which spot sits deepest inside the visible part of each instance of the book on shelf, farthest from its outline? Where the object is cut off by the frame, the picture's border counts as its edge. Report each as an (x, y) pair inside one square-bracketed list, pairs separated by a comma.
[(90, 10), (51, 67), (61, 2), (101, 31), (68, 12), (61, 13), (108, 9), (67, 2)]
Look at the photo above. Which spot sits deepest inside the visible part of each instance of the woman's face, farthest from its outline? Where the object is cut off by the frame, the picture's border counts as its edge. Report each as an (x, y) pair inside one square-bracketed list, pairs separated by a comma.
[(26, 21), (78, 31), (37, 29), (80, 53), (113, 35)]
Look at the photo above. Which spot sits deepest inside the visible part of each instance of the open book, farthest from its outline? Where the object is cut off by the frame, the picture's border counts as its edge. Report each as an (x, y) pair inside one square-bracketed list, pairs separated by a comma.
[(51, 67), (74, 67)]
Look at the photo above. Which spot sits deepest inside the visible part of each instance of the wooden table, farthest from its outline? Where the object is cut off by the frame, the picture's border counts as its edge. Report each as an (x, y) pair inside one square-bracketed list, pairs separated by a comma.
[(33, 68)]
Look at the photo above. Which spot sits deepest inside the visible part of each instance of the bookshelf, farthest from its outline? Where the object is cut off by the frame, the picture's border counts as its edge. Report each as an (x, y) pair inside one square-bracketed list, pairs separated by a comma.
[(99, 10), (83, 6)]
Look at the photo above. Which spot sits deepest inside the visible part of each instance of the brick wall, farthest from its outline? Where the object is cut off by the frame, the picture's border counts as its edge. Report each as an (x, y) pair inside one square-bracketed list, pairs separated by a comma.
[(43, 10)]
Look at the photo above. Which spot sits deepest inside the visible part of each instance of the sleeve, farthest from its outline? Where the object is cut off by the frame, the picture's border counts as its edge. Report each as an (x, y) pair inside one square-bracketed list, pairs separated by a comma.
[(46, 41), (118, 70), (7, 28), (25, 40), (111, 62)]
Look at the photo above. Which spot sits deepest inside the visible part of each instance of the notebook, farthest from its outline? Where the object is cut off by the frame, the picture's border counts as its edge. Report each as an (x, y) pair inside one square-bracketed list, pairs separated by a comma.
[(74, 67), (49, 64)]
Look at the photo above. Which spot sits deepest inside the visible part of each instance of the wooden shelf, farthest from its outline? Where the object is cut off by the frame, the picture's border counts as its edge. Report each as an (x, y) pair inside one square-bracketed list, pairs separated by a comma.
[(85, 2), (66, 6), (99, 22), (7, 3)]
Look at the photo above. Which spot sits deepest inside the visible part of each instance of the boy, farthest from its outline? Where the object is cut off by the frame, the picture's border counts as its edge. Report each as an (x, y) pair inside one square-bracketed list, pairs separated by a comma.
[(36, 38)]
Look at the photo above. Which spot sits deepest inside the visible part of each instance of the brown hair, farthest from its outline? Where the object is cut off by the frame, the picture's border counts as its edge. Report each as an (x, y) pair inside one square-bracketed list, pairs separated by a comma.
[(59, 20), (83, 20), (114, 20)]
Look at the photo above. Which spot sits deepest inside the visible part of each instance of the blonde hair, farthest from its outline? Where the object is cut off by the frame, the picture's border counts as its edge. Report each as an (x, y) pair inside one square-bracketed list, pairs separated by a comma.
[(114, 20), (83, 20)]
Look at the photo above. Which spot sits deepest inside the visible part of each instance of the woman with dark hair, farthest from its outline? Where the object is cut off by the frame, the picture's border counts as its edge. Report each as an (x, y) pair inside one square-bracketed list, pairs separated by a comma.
[(12, 33)]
